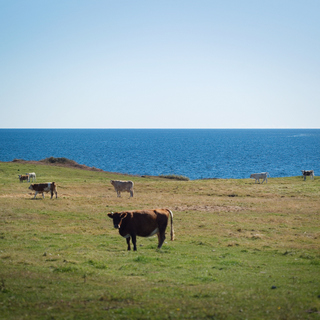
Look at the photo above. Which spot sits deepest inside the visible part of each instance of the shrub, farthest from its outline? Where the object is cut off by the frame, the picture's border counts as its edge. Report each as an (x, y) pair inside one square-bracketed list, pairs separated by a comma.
[(175, 177), (58, 160)]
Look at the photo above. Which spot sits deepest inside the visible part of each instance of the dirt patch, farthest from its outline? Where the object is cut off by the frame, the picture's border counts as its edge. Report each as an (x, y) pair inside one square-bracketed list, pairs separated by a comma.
[(14, 195), (209, 208)]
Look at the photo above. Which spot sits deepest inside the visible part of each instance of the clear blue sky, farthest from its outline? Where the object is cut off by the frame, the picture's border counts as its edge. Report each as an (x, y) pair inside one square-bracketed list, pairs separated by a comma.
[(160, 64)]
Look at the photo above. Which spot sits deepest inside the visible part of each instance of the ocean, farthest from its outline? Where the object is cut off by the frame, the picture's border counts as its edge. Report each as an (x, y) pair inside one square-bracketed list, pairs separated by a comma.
[(194, 153)]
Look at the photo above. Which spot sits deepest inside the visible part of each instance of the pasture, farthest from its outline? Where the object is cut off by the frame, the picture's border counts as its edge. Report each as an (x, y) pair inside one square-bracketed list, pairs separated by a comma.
[(242, 250)]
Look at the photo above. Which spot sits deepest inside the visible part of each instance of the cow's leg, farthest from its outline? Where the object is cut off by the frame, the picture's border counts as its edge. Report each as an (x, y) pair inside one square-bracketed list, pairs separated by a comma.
[(35, 194), (162, 234), (118, 194), (131, 193), (161, 238), (134, 241), (51, 194), (43, 195), (128, 242)]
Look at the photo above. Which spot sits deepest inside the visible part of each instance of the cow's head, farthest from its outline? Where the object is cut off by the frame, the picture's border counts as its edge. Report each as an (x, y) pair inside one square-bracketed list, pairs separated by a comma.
[(117, 217), (31, 187)]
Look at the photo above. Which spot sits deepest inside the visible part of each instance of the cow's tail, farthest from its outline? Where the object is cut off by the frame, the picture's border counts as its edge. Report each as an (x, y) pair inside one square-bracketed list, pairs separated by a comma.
[(171, 219)]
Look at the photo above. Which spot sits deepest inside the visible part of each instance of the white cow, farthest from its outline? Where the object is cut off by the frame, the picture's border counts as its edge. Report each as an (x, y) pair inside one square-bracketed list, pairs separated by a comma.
[(120, 186), (32, 175), (258, 176), (306, 173)]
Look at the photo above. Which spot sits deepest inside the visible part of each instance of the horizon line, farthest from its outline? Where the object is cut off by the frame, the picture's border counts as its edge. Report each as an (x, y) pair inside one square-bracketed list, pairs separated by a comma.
[(158, 128)]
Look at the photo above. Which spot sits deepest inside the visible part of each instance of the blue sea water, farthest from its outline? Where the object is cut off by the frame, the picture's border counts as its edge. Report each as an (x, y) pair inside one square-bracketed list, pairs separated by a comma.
[(194, 153)]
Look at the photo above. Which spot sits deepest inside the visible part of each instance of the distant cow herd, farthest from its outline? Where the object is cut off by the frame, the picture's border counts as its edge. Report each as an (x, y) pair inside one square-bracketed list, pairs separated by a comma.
[(39, 187), (27, 177), (143, 223)]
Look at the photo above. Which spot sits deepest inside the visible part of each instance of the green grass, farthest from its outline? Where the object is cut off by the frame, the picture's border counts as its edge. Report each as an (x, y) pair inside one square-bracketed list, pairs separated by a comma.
[(242, 251)]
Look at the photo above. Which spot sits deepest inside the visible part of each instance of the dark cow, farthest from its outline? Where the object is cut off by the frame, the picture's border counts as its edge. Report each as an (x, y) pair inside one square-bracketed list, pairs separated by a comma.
[(307, 173), (44, 187), (23, 177), (142, 223), (121, 186)]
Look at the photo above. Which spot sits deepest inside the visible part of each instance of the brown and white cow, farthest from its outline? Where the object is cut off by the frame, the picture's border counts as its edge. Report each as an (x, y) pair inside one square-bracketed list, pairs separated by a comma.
[(142, 223), (23, 177), (44, 187), (121, 186)]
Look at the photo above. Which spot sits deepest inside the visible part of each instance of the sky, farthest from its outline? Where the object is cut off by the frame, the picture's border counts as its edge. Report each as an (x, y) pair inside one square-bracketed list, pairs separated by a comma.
[(159, 64)]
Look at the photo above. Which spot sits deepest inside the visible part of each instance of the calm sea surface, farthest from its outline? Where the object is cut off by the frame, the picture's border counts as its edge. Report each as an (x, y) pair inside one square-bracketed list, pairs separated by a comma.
[(195, 153)]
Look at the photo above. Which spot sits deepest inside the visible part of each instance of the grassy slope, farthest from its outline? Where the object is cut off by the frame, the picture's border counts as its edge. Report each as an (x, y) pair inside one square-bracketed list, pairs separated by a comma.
[(235, 241)]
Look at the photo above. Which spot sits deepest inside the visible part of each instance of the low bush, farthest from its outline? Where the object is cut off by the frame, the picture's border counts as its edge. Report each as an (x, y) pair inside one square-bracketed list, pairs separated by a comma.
[(175, 177)]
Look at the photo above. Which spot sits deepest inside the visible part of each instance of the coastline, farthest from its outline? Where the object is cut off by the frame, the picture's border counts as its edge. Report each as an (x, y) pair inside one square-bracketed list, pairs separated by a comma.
[(68, 163)]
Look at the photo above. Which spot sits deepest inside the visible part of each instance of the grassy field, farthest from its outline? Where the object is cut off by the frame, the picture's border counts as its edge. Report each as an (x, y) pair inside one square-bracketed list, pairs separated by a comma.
[(242, 250)]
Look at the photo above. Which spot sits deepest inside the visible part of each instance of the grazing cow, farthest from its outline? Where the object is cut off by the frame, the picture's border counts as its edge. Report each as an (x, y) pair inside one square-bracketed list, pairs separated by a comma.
[(31, 175), (258, 176), (306, 173), (121, 186), (44, 187), (23, 177), (142, 223)]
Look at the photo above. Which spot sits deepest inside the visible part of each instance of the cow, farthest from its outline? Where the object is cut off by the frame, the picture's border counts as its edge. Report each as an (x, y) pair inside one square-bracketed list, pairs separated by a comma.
[(121, 186), (23, 177), (258, 176), (31, 175), (142, 223), (44, 187), (306, 173)]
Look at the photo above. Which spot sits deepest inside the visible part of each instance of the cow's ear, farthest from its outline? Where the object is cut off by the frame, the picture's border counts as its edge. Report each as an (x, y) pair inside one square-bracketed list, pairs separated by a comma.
[(110, 215), (123, 215)]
